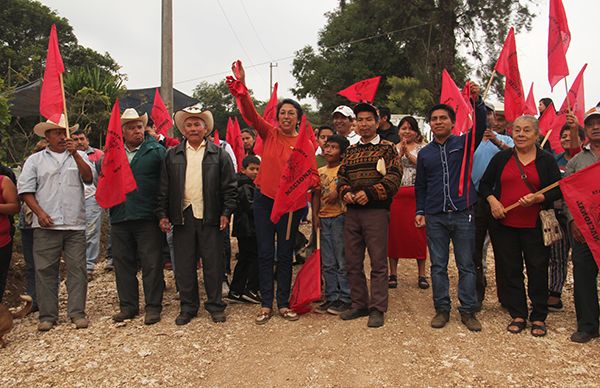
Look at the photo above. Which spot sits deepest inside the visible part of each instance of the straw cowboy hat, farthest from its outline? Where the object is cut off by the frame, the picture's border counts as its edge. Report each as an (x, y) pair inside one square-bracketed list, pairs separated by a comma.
[(131, 114), (194, 111), (41, 128)]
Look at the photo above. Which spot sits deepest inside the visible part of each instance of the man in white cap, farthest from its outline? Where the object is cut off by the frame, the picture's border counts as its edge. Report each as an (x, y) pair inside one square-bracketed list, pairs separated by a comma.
[(197, 196), (52, 185), (136, 237), (343, 117)]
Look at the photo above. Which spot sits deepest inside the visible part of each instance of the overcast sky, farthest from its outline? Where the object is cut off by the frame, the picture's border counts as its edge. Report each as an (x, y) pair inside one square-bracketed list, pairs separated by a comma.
[(210, 34)]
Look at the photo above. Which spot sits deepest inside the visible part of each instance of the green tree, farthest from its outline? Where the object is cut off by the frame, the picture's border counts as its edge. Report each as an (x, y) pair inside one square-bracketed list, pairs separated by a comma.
[(407, 96), (4, 122)]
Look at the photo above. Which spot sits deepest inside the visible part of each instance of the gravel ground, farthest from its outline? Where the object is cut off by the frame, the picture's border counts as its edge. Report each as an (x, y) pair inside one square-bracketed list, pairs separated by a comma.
[(317, 350)]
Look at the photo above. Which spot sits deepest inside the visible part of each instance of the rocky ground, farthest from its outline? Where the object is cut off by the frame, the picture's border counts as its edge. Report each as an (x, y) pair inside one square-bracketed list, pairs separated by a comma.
[(317, 350)]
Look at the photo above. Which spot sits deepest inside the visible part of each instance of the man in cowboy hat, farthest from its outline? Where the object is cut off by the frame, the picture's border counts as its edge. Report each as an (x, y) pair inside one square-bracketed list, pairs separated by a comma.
[(134, 230), (197, 196), (52, 185)]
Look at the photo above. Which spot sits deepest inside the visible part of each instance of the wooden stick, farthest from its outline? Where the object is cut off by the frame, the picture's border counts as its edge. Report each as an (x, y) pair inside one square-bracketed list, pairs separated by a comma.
[(487, 88), (542, 191), (289, 226), (546, 138), (567, 90), (62, 89), (318, 238)]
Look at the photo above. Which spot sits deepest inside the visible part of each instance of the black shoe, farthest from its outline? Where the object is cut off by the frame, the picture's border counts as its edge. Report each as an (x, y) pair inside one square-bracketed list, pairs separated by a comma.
[(339, 307), (423, 283), (354, 313), (251, 296), (555, 307), (393, 281), (582, 337), (218, 316), (151, 317), (322, 308), (184, 318), (375, 319), (440, 319), (234, 298), (123, 315)]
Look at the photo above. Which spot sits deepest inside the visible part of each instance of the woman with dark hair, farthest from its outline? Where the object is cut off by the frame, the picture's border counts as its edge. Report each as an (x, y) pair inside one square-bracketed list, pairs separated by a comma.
[(544, 103), (514, 176), (405, 240), (278, 142)]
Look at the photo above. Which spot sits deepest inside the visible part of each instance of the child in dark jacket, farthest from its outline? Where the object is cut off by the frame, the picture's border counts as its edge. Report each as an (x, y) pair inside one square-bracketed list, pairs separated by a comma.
[(244, 285)]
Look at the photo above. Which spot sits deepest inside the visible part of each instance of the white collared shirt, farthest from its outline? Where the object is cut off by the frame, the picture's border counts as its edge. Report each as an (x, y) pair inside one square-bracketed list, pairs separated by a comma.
[(375, 140), (353, 137)]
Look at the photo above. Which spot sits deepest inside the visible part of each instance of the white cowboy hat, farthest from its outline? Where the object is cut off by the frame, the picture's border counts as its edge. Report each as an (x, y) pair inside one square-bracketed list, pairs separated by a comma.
[(131, 114), (194, 111), (41, 128)]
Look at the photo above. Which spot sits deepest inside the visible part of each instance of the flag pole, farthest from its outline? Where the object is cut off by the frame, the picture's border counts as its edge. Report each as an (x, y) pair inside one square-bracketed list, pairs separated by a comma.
[(289, 226), (62, 89), (542, 191), (567, 90), (546, 138), (489, 84), (318, 238)]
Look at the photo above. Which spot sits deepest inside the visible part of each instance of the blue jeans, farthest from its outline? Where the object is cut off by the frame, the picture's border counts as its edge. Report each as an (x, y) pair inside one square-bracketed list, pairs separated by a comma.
[(460, 228), (265, 238), (333, 261), (93, 227)]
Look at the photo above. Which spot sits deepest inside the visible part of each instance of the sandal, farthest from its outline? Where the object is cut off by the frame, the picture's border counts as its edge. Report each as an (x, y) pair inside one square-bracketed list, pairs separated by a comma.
[(263, 317), (288, 314), (423, 283), (542, 328), (393, 281), (520, 326)]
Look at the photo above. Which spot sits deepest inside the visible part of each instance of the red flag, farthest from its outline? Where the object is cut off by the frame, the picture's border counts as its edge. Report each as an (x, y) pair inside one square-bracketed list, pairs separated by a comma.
[(547, 119), (270, 115), (51, 97), (299, 176), (582, 194), (362, 91), (160, 115), (508, 66), (574, 102), (307, 286), (216, 139), (559, 38), (530, 105), (116, 178), (453, 97), (234, 138)]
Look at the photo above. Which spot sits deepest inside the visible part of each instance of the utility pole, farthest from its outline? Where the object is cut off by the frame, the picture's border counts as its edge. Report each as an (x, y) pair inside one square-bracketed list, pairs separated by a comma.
[(166, 68), (271, 66)]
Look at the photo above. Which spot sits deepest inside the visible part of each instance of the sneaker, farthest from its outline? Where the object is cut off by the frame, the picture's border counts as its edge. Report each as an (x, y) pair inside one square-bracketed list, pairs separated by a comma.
[(252, 297), (122, 316), (440, 319), (375, 319), (354, 313), (470, 321), (234, 298), (582, 337), (80, 322), (45, 325), (322, 308), (339, 307)]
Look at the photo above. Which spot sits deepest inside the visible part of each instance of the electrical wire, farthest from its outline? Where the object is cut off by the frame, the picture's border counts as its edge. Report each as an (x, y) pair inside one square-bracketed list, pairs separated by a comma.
[(254, 28)]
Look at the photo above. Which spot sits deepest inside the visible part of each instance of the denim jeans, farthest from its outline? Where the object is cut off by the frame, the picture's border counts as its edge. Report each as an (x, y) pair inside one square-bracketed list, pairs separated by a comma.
[(333, 261), (93, 227), (458, 227)]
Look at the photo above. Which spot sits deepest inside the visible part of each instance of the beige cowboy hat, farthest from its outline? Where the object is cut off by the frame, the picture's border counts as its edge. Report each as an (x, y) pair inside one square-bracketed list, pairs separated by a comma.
[(194, 111), (41, 128), (131, 114)]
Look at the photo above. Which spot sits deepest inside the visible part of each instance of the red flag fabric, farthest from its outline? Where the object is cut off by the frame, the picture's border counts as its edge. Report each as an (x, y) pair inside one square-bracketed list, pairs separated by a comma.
[(51, 97), (530, 105), (508, 66), (116, 178), (299, 176), (234, 138), (362, 91), (307, 286), (270, 115), (559, 38), (216, 139), (574, 102), (546, 121), (160, 115), (581, 192), (453, 97)]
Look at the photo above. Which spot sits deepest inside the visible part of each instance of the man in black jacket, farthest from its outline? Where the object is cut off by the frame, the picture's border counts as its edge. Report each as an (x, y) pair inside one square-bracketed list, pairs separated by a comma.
[(197, 196)]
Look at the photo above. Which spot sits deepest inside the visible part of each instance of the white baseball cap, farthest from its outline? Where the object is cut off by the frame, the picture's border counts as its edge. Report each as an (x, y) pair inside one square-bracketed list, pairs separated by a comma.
[(344, 110), (595, 111)]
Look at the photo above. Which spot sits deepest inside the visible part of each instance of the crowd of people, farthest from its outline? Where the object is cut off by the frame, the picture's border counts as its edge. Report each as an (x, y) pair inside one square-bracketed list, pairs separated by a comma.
[(383, 189)]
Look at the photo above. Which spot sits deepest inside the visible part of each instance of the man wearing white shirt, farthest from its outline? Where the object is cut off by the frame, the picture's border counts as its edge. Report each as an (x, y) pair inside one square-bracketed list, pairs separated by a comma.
[(343, 117)]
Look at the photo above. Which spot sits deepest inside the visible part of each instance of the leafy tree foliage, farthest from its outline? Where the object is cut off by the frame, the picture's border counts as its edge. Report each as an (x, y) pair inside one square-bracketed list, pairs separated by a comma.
[(407, 96)]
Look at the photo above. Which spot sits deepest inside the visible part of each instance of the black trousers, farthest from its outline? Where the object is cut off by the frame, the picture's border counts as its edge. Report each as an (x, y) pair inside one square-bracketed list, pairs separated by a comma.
[(136, 242), (512, 247), (585, 277), (193, 240), (5, 256), (482, 221), (245, 275)]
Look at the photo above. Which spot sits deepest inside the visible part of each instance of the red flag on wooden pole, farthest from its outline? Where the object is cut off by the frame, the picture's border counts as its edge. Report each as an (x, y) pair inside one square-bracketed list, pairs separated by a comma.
[(116, 178), (453, 97), (234, 138), (574, 102), (559, 38), (160, 115), (530, 105), (362, 91), (307, 286), (547, 119), (508, 66), (51, 98), (270, 115)]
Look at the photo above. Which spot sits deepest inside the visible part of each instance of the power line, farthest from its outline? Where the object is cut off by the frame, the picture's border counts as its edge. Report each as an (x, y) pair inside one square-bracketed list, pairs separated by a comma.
[(254, 28)]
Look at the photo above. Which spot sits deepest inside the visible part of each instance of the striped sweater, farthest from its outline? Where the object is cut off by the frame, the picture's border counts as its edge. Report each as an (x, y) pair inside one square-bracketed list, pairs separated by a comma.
[(358, 171)]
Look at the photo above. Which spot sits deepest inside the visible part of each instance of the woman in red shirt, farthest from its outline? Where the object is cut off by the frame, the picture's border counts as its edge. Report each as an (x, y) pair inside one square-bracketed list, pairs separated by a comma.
[(514, 176), (9, 205), (278, 142)]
